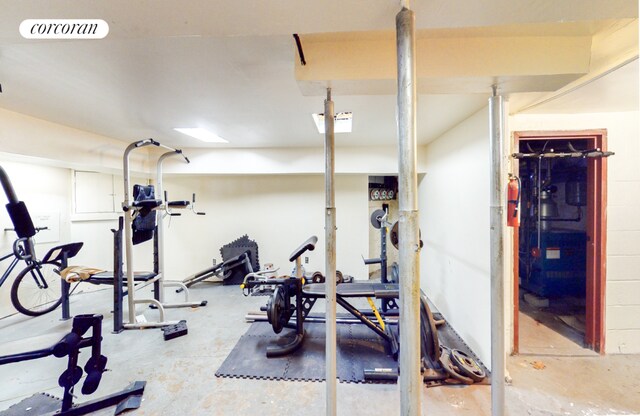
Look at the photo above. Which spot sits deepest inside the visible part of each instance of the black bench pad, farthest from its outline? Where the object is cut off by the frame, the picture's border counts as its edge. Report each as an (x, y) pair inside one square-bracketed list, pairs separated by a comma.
[(106, 278), (178, 204)]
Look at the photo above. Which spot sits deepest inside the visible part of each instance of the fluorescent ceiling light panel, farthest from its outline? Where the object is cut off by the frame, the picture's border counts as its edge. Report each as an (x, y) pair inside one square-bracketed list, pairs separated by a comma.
[(201, 134), (342, 124)]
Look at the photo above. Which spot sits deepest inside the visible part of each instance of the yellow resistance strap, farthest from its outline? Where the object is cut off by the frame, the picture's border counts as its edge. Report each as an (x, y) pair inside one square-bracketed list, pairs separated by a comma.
[(375, 311)]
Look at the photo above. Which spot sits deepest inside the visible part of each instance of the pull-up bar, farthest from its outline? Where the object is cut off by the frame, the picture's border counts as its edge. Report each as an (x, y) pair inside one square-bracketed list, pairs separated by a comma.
[(594, 153)]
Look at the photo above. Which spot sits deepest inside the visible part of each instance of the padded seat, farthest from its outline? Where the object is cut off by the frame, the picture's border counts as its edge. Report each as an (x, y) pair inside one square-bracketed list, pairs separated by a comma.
[(106, 278), (178, 204), (351, 290), (147, 203)]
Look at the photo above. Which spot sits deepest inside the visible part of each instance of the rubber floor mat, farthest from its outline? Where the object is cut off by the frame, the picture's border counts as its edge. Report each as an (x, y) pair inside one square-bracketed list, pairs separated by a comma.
[(36, 405), (357, 348)]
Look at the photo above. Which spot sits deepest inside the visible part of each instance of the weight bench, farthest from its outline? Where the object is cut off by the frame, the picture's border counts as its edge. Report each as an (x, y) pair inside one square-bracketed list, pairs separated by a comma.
[(106, 278), (437, 361), (280, 309)]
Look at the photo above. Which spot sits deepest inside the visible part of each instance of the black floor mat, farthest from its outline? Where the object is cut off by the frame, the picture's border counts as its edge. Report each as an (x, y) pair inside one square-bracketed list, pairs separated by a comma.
[(357, 348), (38, 404)]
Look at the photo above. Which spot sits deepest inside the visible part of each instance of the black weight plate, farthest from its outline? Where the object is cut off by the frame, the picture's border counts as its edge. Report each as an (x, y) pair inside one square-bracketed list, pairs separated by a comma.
[(317, 277), (393, 235), (276, 309), (450, 368), (395, 273), (339, 277), (375, 218), (467, 365), (429, 332)]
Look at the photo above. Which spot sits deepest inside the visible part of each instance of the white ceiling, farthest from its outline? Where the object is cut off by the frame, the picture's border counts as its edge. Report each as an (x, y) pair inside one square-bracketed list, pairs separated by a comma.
[(229, 66)]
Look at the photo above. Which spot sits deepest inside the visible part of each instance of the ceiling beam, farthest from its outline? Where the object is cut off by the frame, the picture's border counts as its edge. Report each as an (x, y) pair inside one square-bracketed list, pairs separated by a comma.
[(365, 63)]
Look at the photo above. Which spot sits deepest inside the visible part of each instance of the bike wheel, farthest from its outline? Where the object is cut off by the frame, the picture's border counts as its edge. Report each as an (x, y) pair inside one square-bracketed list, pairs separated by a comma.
[(37, 289)]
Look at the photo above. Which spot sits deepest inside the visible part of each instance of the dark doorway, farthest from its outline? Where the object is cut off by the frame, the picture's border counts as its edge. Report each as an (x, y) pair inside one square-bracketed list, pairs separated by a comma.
[(559, 246)]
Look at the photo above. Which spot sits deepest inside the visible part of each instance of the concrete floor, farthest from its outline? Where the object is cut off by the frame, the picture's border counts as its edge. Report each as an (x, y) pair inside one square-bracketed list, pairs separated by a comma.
[(181, 381)]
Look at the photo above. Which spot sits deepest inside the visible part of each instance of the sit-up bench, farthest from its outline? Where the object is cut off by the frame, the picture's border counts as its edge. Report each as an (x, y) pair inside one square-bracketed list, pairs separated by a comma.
[(221, 271)]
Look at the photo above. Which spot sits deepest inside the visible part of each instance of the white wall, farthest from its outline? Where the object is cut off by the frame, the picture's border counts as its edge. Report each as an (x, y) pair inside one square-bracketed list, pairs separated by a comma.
[(373, 160), (60, 145), (279, 212), (623, 222), (454, 220)]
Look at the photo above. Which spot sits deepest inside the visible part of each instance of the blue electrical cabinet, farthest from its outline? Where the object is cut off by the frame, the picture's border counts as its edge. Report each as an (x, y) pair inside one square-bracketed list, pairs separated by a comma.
[(559, 268)]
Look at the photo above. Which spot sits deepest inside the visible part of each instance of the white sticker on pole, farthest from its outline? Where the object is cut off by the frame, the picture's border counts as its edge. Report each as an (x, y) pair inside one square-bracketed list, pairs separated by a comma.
[(553, 253), (64, 29)]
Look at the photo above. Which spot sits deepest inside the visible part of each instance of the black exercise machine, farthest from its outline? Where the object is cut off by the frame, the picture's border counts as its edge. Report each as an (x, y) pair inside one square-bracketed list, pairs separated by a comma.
[(222, 272), (239, 258), (280, 309), (292, 300), (69, 346), (24, 249)]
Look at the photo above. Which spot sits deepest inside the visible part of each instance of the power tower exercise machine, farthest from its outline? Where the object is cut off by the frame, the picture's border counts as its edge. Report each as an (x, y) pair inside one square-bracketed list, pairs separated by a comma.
[(144, 202), (140, 223)]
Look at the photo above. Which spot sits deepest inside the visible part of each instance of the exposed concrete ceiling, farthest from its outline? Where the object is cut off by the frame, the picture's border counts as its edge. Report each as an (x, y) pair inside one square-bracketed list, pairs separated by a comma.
[(231, 66)]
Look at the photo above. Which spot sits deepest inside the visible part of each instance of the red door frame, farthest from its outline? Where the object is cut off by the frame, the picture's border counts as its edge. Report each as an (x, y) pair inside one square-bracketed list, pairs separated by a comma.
[(596, 236)]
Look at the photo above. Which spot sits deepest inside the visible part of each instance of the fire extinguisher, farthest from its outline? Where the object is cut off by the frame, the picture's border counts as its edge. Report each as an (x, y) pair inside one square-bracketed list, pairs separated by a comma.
[(513, 201)]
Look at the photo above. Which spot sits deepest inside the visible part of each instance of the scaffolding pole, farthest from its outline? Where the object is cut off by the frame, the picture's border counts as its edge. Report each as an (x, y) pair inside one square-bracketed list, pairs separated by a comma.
[(496, 127), (409, 247), (330, 259)]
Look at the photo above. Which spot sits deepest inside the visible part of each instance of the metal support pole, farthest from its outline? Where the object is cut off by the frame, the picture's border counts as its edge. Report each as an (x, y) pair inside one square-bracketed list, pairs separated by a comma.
[(330, 259), (409, 247), (496, 127), (159, 237), (128, 220)]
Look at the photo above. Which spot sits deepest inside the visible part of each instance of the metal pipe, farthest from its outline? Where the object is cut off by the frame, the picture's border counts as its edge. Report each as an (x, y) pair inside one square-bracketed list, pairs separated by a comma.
[(409, 247), (128, 220), (160, 219), (330, 257), (150, 141), (496, 128), (539, 197)]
